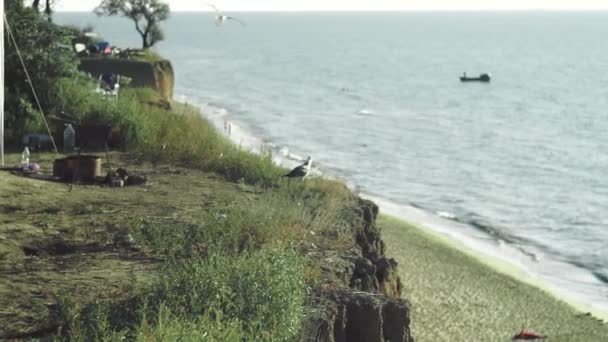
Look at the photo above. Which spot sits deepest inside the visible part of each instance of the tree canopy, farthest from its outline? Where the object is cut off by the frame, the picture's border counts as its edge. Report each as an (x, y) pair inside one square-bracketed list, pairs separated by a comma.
[(45, 50), (147, 15), (47, 7)]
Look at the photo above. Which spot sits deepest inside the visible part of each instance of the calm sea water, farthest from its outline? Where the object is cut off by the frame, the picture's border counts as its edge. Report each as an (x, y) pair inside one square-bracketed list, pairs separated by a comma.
[(375, 99)]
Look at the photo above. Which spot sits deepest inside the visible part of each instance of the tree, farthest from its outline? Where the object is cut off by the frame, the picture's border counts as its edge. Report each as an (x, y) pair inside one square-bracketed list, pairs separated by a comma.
[(147, 15), (47, 8), (39, 43)]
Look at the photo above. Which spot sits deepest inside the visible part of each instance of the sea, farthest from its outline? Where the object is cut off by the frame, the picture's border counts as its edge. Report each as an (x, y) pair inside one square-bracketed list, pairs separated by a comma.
[(515, 168)]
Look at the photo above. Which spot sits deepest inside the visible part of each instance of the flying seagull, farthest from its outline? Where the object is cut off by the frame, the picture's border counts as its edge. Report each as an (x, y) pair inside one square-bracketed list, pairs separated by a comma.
[(220, 18), (301, 171)]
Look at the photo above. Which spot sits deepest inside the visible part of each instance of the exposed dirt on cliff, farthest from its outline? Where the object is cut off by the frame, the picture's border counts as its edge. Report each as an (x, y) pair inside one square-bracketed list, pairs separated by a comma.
[(157, 75), (361, 299)]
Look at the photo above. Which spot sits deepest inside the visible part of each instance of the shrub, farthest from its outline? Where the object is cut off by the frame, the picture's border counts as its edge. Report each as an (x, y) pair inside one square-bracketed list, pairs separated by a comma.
[(39, 42)]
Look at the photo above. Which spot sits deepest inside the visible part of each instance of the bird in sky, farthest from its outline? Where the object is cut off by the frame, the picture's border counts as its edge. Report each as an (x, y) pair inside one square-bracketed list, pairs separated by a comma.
[(301, 171), (220, 18)]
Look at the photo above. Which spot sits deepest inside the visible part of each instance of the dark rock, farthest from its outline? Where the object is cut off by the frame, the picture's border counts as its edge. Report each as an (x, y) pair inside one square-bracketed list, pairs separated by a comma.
[(352, 316), (124, 240), (122, 173), (388, 277), (367, 235), (363, 319), (121, 177), (364, 275), (137, 180), (48, 247), (370, 211), (372, 271), (30, 251), (337, 269), (395, 328), (363, 266), (368, 307)]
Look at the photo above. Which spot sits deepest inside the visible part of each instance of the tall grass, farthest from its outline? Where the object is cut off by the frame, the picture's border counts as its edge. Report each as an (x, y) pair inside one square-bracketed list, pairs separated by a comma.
[(253, 296), (263, 290), (297, 213), (234, 273), (163, 135)]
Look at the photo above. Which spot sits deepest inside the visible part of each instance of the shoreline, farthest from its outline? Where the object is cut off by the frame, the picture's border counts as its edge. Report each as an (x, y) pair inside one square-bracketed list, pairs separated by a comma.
[(504, 267), (493, 259), (457, 296), (501, 263)]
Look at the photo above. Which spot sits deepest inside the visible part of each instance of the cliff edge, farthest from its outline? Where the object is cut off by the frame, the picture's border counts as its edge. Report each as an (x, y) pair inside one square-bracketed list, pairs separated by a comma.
[(361, 300), (157, 75)]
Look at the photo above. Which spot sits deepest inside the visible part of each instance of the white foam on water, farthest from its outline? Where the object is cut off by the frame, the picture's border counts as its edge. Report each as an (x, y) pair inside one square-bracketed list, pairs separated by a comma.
[(365, 112), (245, 139), (445, 214), (575, 285)]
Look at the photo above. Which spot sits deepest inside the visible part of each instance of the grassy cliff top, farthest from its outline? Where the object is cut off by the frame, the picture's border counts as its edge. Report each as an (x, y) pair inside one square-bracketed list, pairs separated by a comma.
[(137, 55), (60, 243)]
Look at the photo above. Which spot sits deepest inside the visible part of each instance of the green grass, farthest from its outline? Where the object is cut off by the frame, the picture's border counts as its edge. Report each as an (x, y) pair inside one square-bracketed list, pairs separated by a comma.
[(224, 247), (456, 297), (146, 55), (183, 219), (257, 295), (177, 135)]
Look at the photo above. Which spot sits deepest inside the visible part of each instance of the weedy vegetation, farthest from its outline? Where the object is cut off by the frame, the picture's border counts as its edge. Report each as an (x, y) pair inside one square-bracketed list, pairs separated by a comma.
[(221, 240)]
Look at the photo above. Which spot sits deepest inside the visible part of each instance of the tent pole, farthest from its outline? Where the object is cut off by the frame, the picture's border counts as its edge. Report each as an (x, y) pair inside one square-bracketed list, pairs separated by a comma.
[(2, 83)]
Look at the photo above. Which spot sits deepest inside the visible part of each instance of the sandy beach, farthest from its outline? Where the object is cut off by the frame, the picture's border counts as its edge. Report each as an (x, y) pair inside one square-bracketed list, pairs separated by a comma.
[(456, 296)]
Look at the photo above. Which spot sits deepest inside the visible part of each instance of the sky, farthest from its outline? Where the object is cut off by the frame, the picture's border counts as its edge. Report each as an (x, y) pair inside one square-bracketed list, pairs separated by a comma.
[(357, 5)]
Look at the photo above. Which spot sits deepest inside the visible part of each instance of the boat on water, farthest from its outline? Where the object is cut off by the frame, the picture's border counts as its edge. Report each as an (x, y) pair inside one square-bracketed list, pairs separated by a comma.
[(480, 78)]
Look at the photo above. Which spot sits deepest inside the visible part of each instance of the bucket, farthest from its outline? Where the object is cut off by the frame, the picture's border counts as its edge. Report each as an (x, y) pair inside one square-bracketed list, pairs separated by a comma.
[(81, 168)]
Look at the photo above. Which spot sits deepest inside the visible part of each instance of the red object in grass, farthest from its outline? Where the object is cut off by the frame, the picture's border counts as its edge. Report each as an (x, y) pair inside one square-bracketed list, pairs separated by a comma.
[(527, 335)]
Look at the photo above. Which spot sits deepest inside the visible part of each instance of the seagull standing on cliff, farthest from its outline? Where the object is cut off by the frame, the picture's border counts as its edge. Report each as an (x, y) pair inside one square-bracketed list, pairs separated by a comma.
[(220, 18), (301, 171)]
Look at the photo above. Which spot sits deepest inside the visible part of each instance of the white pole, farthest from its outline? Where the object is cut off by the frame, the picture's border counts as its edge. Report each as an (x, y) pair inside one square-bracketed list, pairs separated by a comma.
[(2, 83)]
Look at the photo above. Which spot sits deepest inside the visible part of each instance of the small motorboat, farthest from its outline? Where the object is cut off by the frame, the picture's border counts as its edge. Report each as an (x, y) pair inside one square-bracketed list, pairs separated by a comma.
[(480, 78)]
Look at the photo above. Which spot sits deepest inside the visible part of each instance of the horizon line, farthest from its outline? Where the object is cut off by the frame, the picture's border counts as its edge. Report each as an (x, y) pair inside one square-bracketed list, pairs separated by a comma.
[(603, 9)]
